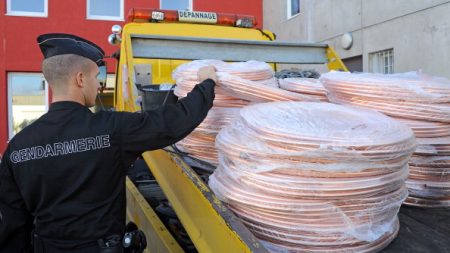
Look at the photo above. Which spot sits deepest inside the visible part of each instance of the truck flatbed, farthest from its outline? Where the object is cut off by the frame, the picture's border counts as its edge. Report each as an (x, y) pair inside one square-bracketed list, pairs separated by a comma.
[(422, 230)]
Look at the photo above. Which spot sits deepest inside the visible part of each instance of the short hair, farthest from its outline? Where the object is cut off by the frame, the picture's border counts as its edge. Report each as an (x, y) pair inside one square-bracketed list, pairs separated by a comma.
[(60, 69)]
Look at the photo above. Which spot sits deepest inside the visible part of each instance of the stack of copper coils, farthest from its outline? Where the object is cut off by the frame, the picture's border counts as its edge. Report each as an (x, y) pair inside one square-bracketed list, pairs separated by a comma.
[(239, 84), (422, 103), (314, 177), (307, 86)]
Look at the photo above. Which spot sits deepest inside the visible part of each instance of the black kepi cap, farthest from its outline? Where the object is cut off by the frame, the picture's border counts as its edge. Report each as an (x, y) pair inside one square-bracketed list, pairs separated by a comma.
[(52, 44)]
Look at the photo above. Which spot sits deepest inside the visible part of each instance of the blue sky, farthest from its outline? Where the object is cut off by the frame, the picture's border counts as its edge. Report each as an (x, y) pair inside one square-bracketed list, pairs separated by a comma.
[(26, 84)]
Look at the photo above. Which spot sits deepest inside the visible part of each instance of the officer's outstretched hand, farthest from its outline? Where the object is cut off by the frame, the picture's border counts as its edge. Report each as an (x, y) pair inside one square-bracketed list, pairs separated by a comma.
[(207, 72)]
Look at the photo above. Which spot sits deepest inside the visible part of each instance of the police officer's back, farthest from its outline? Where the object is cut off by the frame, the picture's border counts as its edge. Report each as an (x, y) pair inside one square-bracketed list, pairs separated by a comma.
[(66, 171)]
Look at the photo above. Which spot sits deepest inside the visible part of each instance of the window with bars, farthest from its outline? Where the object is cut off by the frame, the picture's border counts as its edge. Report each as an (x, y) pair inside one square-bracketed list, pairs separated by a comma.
[(382, 62)]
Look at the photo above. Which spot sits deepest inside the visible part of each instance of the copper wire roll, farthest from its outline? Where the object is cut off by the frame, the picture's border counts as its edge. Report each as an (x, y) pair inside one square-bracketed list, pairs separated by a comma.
[(402, 109), (407, 86), (307, 86), (429, 177), (314, 177), (358, 247), (249, 70), (424, 202), (427, 129), (256, 92), (200, 143)]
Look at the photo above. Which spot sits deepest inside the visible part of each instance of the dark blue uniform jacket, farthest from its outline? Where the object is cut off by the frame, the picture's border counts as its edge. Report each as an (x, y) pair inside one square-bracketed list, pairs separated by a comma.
[(66, 171)]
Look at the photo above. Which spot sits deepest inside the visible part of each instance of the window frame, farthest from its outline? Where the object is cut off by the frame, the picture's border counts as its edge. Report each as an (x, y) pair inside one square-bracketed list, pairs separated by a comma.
[(289, 9), (191, 5), (377, 61), (107, 18), (10, 101), (10, 12)]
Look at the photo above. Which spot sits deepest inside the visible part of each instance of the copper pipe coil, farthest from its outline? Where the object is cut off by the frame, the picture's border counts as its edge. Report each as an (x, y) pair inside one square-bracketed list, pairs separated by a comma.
[(314, 234), (431, 174), (336, 146), (272, 82), (381, 94), (424, 202), (409, 87), (299, 238), (237, 193), (333, 210), (255, 92), (433, 146), (295, 170), (303, 85), (333, 189), (430, 161), (356, 247), (200, 143), (287, 151), (288, 183), (340, 164), (427, 129), (329, 221), (299, 182), (401, 109), (428, 189), (250, 70), (307, 86)]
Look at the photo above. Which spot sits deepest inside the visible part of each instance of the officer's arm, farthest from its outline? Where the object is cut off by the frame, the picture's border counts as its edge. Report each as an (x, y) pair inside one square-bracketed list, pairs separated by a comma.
[(15, 222), (169, 123)]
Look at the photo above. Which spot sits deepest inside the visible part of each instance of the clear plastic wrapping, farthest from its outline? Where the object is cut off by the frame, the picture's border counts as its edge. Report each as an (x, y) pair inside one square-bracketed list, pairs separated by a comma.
[(310, 177)]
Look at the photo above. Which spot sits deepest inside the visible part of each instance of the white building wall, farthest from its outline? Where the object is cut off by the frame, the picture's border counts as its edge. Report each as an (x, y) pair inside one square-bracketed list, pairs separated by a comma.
[(417, 30)]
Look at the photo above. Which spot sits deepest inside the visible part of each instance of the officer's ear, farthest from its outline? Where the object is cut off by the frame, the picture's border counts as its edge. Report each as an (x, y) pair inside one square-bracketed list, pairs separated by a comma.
[(79, 79)]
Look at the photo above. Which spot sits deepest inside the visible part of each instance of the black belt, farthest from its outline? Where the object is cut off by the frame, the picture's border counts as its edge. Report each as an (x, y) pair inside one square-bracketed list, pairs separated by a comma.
[(133, 241), (43, 245)]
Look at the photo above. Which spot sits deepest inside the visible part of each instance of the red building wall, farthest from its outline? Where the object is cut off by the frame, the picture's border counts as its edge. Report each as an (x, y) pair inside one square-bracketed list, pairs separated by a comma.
[(19, 51)]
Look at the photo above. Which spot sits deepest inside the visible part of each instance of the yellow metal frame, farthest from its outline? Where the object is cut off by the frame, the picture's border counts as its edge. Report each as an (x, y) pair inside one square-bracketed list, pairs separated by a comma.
[(159, 239), (210, 225), (334, 62), (124, 99)]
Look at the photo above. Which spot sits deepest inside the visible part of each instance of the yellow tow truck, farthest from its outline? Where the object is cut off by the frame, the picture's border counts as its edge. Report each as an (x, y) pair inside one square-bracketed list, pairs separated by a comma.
[(152, 45)]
